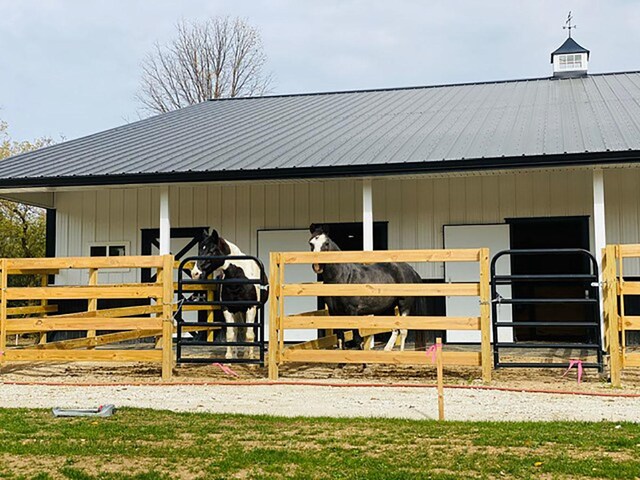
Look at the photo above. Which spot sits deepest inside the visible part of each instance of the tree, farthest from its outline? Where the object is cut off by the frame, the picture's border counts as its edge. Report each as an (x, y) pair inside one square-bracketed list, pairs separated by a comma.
[(220, 57), (22, 227), (10, 147)]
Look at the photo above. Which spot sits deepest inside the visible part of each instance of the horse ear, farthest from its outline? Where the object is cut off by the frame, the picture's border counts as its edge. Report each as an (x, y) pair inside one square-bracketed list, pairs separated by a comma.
[(325, 229), (213, 238), (317, 229), (224, 246)]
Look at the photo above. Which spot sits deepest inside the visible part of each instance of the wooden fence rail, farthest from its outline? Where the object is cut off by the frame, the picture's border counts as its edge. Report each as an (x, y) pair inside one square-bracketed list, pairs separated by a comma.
[(129, 322), (313, 353)]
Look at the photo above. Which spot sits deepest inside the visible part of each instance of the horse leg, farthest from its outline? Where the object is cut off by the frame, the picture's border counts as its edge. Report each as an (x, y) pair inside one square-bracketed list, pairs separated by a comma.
[(250, 317), (230, 319), (392, 341), (403, 338), (370, 342), (405, 310), (357, 339)]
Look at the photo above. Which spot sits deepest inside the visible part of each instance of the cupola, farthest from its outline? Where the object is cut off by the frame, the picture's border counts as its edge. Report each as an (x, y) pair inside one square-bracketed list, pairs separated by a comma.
[(570, 59)]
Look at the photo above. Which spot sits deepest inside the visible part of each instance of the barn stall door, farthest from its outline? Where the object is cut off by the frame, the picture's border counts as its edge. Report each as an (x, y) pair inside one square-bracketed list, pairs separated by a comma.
[(494, 237), (290, 241)]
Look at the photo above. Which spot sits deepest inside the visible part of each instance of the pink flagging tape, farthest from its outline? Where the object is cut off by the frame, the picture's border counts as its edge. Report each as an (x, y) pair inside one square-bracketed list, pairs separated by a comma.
[(578, 364), (432, 351), (226, 369)]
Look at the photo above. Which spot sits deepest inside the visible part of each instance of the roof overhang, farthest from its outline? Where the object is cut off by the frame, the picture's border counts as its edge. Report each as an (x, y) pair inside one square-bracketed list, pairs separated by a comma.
[(338, 171), (36, 199)]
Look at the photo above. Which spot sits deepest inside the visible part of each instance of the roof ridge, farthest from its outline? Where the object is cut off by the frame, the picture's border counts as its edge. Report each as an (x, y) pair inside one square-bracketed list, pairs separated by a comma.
[(415, 87)]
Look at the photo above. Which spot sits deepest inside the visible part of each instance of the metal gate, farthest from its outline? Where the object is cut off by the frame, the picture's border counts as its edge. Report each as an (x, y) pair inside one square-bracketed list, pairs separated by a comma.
[(591, 299), (184, 299)]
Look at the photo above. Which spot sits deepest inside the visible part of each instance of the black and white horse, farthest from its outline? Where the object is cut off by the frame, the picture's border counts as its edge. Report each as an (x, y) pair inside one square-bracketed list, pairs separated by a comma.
[(215, 246), (366, 273)]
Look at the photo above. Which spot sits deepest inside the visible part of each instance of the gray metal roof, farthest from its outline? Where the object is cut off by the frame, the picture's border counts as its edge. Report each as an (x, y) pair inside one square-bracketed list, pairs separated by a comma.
[(353, 132)]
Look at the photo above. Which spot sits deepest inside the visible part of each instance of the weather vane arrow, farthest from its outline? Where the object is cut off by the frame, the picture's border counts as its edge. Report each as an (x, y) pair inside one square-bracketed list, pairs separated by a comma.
[(568, 25)]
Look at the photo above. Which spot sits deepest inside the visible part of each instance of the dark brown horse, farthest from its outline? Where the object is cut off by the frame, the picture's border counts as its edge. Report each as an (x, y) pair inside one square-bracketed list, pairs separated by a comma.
[(366, 273)]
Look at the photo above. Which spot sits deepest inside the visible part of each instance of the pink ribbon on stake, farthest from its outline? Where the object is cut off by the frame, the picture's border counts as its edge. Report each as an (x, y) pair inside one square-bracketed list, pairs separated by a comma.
[(578, 364), (226, 369), (432, 351)]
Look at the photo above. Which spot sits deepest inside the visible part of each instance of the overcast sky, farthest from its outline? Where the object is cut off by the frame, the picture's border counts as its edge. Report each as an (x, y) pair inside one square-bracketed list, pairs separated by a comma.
[(71, 67)]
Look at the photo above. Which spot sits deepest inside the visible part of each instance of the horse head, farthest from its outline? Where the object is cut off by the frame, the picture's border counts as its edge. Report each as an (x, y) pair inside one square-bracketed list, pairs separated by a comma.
[(210, 246), (320, 242)]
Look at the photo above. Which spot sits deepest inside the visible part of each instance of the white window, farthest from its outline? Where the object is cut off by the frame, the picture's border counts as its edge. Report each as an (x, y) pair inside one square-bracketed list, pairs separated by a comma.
[(109, 249), (571, 62)]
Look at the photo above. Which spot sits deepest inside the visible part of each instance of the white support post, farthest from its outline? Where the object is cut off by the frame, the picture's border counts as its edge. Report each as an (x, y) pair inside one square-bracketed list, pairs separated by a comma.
[(165, 223), (367, 215), (599, 226)]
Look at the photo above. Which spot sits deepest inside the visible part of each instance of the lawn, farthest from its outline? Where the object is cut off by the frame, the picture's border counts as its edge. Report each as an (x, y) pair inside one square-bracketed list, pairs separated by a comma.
[(145, 444)]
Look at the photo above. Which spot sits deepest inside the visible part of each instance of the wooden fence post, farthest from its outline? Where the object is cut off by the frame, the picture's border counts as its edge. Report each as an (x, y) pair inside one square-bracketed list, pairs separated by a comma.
[(440, 379), (167, 316), (44, 282), (210, 314), (610, 305), (280, 326), (3, 310), (485, 315), (92, 305), (274, 285)]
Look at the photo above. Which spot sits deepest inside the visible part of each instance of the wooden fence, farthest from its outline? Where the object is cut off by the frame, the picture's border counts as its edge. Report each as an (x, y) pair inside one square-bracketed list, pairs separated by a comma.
[(38, 319), (279, 322), (616, 321)]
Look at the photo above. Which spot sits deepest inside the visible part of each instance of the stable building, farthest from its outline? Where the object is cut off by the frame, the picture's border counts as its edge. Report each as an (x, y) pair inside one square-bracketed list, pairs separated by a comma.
[(550, 162)]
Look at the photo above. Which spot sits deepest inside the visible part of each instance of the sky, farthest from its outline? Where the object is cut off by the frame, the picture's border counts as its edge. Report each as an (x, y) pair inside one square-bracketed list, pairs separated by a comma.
[(69, 68)]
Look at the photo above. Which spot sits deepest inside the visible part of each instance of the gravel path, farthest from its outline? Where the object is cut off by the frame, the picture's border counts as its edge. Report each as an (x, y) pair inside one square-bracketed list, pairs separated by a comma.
[(302, 400)]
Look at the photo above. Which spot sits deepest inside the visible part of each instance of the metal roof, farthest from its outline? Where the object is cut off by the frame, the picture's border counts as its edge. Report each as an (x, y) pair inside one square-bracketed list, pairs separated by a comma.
[(569, 46), (482, 125)]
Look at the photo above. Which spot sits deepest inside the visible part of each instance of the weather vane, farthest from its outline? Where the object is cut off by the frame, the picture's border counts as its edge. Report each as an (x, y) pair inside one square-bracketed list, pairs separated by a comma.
[(568, 25)]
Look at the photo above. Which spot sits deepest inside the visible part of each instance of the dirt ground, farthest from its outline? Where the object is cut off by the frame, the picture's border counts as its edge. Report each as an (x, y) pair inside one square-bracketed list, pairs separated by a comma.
[(132, 373), (551, 379)]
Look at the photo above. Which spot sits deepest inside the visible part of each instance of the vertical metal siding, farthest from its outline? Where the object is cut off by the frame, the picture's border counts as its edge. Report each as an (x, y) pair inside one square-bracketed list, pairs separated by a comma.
[(415, 209)]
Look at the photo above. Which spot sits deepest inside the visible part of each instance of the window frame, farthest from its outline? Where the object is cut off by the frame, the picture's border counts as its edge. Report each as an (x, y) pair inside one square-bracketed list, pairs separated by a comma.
[(571, 61), (107, 245)]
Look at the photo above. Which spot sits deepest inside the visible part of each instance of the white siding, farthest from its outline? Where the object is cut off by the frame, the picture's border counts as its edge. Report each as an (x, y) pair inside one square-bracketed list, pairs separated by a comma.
[(416, 209), (622, 211)]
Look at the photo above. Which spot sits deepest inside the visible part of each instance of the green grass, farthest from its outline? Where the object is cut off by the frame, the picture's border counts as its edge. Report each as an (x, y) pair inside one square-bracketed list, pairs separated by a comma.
[(146, 444)]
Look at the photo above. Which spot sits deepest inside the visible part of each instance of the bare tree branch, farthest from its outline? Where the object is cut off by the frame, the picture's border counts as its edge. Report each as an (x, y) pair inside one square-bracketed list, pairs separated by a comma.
[(221, 57)]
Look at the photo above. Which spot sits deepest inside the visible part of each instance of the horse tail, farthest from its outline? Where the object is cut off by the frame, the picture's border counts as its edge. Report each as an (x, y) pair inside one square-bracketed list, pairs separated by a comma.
[(264, 288), (420, 307)]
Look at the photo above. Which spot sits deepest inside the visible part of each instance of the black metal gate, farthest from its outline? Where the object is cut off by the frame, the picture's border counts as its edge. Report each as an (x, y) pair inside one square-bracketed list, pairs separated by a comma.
[(590, 300), (194, 298)]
